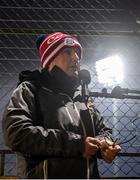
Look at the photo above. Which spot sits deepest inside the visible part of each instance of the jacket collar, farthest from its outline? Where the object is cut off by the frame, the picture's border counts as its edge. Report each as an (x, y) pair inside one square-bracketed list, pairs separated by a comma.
[(59, 82)]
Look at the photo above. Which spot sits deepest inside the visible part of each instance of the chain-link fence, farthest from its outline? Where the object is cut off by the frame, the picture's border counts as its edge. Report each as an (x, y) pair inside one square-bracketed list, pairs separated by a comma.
[(117, 112), (104, 28)]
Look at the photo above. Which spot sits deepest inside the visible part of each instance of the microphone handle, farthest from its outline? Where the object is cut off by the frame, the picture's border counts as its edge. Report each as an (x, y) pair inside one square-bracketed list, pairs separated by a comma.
[(85, 91)]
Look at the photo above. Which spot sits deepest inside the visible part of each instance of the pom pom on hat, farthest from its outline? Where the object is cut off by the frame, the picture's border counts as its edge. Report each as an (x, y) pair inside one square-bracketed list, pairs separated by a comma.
[(51, 45), (39, 40)]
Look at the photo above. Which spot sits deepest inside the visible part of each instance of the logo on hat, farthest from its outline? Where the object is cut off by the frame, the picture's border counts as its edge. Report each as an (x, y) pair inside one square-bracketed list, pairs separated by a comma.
[(54, 38)]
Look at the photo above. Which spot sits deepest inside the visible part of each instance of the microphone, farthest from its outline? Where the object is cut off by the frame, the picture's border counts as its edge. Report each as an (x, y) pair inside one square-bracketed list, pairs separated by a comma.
[(85, 79)]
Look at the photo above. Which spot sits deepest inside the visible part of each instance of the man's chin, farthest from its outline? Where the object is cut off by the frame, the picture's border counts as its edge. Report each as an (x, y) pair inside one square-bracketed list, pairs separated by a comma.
[(73, 73)]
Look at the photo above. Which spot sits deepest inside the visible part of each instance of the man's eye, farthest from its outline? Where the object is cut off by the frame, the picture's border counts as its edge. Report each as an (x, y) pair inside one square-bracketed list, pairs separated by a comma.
[(67, 51)]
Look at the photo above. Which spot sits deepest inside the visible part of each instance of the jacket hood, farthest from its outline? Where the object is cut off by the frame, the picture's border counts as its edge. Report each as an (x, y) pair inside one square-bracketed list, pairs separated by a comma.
[(56, 80), (29, 76)]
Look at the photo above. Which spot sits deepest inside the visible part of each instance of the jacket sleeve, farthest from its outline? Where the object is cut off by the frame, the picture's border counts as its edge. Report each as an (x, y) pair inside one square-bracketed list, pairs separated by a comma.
[(100, 128), (23, 136), (99, 124)]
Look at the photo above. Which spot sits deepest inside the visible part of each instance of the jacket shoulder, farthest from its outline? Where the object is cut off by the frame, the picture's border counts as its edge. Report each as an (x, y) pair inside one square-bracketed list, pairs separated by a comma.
[(29, 79)]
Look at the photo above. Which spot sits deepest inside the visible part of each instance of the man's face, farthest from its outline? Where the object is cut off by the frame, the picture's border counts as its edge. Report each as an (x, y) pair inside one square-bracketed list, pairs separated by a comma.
[(68, 61)]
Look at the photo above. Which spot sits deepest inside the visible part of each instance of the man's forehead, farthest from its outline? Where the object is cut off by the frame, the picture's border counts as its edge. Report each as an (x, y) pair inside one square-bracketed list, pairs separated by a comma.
[(71, 48)]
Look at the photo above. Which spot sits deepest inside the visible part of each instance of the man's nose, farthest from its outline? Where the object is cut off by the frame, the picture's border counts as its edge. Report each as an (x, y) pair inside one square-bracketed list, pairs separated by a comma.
[(75, 57)]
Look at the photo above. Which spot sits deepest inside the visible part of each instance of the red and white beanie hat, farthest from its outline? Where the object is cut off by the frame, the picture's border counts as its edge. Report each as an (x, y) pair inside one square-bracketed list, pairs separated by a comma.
[(52, 45)]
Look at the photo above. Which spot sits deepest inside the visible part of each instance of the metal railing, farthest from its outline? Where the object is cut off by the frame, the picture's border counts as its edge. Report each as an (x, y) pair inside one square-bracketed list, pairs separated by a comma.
[(4, 152)]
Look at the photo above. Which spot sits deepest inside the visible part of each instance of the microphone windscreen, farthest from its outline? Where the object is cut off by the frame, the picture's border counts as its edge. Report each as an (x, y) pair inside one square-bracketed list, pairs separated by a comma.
[(84, 76)]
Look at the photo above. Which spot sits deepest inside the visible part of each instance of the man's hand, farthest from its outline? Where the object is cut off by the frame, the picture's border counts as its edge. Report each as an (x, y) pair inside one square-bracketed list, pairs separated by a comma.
[(108, 151), (91, 146)]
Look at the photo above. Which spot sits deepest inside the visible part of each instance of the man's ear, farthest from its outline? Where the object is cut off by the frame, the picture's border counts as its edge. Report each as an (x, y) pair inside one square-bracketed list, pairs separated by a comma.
[(51, 66)]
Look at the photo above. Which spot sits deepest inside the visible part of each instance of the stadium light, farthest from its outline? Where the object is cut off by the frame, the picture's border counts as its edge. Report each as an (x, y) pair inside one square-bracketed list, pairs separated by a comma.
[(110, 70)]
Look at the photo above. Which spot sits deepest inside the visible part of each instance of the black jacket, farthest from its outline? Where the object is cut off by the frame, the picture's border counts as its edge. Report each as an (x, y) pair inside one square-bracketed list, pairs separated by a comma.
[(43, 123)]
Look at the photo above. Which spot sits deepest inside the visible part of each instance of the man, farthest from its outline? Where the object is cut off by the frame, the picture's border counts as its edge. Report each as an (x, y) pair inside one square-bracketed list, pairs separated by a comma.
[(46, 121)]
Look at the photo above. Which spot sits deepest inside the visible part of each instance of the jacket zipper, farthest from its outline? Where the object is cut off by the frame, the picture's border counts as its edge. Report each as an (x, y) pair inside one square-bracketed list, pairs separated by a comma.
[(90, 108), (45, 169), (84, 132)]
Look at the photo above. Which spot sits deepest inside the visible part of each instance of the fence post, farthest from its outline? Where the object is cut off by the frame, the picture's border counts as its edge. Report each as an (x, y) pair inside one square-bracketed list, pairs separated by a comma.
[(2, 159)]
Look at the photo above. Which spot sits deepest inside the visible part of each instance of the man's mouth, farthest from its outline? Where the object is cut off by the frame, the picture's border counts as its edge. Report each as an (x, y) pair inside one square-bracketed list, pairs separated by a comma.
[(75, 67)]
